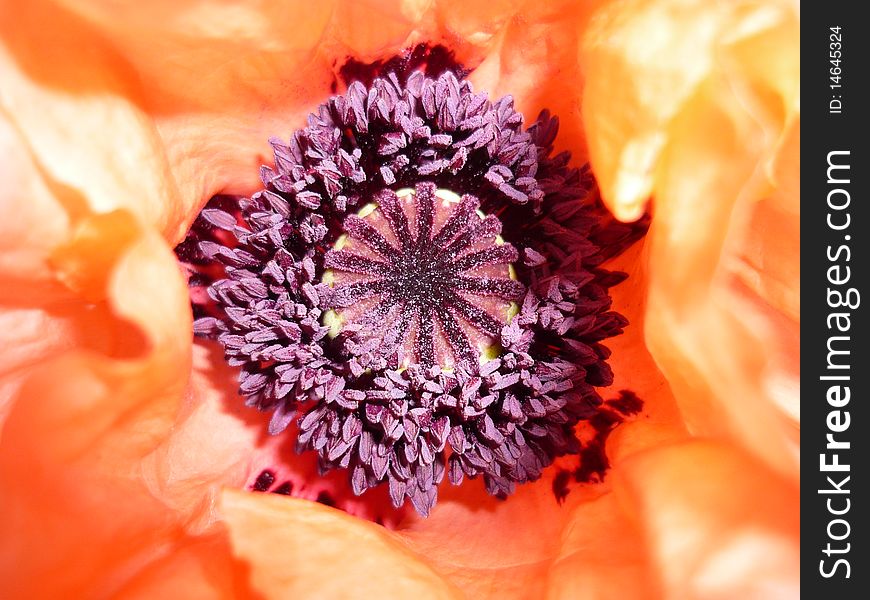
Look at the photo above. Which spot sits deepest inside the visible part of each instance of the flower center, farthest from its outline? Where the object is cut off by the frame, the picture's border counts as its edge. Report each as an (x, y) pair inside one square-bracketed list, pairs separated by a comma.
[(407, 339), (423, 276)]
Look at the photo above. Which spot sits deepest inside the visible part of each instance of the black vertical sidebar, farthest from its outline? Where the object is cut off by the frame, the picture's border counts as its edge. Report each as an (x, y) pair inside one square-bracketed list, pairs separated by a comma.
[(835, 368)]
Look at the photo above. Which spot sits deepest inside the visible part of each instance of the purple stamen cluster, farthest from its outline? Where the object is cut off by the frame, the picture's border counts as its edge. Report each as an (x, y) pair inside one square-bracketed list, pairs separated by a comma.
[(375, 399)]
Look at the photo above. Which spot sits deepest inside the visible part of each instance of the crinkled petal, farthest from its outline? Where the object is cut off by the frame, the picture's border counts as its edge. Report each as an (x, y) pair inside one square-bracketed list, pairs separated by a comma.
[(217, 80), (678, 109), (216, 441), (302, 549), (718, 522), (82, 421), (34, 318), (602, 556), (533, 57), (76, 105), (198, 567)]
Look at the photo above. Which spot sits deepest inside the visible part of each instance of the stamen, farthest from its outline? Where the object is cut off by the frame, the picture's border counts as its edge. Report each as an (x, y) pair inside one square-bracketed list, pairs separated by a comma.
[(418, 286)]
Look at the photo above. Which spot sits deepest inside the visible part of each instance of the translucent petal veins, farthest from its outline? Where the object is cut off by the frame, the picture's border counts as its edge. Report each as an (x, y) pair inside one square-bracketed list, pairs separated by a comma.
[(409, 331)]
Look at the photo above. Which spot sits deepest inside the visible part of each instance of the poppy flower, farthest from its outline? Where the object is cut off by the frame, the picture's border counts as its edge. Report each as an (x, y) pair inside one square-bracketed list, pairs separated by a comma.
[(130, 465)]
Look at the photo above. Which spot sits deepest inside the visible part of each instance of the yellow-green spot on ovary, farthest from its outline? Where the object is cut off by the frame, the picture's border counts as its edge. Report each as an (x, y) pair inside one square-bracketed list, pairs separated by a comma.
[(490, 352), (512, 311), (334, 321), (367, 210)]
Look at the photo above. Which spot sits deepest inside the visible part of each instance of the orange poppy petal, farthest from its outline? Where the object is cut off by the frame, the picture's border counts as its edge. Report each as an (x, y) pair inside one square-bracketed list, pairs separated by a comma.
[(603, 556), (217, 80), (32, 318), (645, 59), (719, 523), (200, 567), (489, 547), (83, 420), (688, 117), (74, 101), (533, 57), (302, 549), (400, 23)]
